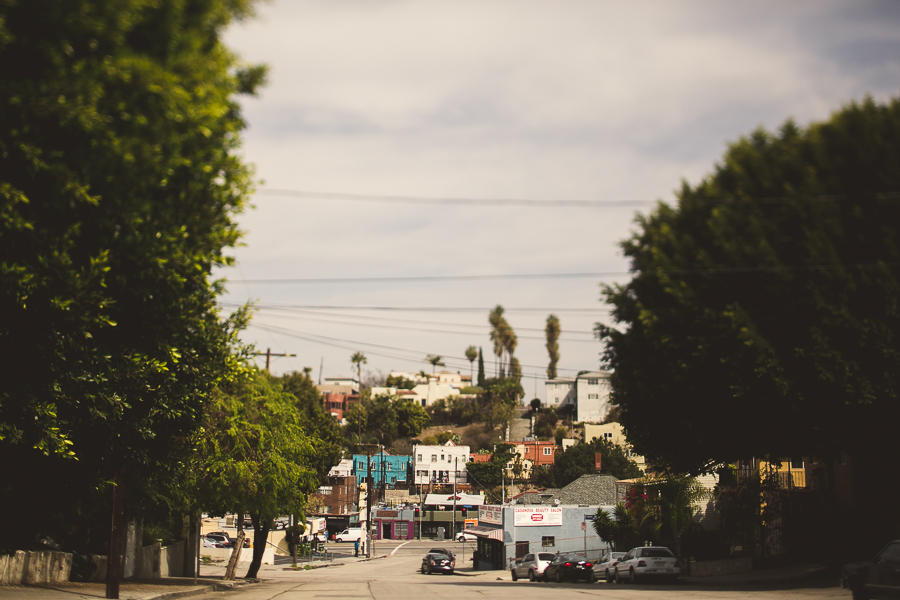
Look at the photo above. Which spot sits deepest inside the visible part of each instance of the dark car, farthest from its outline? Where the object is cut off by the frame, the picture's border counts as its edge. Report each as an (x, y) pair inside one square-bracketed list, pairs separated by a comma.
[(442, 551), (878, 578), (438, 562), (570, 567)]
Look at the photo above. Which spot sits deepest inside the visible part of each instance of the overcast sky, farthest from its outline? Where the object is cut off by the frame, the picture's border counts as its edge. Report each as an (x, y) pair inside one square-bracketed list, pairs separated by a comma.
[(398, 126)]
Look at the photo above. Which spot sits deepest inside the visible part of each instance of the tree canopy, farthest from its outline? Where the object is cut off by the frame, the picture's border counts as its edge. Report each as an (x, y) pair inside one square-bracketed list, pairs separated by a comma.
[(761, 317), (578, 460), (119, 186)]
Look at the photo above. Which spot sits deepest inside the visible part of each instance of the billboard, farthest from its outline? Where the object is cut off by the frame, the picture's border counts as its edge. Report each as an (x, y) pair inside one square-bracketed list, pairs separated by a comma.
[(537, 516), (490, 514)]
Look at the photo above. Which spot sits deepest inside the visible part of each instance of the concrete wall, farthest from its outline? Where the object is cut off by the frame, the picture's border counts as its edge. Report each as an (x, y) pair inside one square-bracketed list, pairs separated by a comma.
[(35, 567)]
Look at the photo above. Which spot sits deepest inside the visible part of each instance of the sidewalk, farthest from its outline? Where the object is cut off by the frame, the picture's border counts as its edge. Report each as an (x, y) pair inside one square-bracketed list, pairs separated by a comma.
[(174, 587)]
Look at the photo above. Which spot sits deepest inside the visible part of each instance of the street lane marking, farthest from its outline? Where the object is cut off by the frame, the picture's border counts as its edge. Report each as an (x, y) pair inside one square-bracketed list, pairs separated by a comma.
[(398, 547)]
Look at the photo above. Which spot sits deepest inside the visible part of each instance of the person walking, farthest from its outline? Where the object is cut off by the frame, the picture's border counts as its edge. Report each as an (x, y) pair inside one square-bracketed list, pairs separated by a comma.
[(356, 548)]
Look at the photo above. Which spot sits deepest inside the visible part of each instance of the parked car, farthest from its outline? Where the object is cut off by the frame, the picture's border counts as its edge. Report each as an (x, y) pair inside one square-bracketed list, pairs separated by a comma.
[(605, 568), (465, 536), (212, 543), (876, 578), (438, 562), (442, 551), (648, 562), (221, 537), (569, 567), (532, 566)]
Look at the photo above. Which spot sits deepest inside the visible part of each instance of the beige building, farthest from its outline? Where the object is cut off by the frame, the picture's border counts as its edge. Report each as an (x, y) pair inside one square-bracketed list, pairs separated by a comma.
[(614, 433)]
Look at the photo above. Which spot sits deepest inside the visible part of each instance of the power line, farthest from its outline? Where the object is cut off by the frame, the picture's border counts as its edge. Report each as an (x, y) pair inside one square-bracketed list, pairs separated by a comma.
[(479, 309), (481, 329), (380, 349), (506, 276), (558, 203), (434, 201)]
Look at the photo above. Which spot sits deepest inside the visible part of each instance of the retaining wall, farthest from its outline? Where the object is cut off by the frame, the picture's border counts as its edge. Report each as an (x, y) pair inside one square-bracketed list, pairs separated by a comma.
[(705, 568), (35, 567)]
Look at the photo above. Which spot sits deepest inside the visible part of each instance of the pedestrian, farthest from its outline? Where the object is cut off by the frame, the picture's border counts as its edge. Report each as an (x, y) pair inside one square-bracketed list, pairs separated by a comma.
[(356, 548)]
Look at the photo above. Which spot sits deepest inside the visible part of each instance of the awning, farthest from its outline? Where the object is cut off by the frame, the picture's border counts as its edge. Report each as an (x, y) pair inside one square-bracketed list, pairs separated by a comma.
[(489, 533)]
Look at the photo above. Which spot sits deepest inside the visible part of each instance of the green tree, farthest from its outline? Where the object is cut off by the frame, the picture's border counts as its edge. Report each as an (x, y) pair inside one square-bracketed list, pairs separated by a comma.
[(435, 360), (480, 381), (578, 460), (769, 290), (255, 457), (119, 186), (316, 423), (471, 355), (551, 330), (359, 359)]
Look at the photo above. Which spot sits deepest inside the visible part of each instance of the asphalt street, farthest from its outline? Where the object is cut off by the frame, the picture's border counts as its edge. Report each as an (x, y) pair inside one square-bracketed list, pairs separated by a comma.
[(396, 576)]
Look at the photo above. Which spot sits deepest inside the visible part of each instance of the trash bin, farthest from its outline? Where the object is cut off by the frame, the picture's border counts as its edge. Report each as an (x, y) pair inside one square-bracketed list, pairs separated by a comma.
[(440, 534)]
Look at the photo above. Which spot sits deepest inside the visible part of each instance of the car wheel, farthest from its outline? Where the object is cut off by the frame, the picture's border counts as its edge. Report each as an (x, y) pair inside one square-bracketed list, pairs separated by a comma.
[(422, 569), (591, 578), (531, 576), (632, 577), (606, 576), (558, 577), (515, 577), (616, 577)]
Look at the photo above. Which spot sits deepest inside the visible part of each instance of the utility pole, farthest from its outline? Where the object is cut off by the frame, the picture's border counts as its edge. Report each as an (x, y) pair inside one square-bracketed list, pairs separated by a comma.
[(268, 354), (370, 495), (455, 475)]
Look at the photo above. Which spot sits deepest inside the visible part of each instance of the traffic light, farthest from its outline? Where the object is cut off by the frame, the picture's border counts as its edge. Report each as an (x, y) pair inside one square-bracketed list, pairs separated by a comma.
[(417, 513), (464, 512)]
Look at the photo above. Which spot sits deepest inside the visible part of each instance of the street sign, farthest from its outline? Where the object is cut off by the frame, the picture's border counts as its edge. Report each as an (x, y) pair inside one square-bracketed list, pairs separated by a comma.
[(591, 517), (583, 526)]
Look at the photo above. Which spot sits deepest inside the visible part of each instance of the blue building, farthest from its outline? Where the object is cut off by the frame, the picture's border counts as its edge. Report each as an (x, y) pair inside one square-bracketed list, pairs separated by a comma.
[(394, 469)]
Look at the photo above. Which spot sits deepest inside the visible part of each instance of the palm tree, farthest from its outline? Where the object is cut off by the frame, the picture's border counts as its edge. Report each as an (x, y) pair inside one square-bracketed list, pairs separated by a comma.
[(435, 360), (552, 331), (359, 359), (471, 355), (307, 372)]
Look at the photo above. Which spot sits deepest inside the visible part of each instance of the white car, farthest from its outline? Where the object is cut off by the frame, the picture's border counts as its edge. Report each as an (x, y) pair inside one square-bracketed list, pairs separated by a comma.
[(606, 567), (647, 562), (532, 566), (465, 536)]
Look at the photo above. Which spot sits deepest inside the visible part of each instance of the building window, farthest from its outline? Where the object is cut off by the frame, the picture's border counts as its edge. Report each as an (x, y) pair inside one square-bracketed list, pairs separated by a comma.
[(419, 458), (434, 458), (442, 457), (593, 396), (593, 381), (548, 451), (548, 541), (797, 463), (607, 435)]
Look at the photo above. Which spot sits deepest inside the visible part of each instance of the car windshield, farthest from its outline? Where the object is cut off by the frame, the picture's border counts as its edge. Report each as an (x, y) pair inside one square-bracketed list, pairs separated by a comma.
[(657, 553), (546, 556), (571, 558)]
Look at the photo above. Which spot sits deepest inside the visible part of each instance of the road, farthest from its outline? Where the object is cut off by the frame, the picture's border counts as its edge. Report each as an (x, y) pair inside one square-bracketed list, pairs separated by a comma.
[(396, 577)]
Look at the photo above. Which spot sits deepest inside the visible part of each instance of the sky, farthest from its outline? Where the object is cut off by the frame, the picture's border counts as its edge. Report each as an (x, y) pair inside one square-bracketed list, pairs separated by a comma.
[(420, 162)]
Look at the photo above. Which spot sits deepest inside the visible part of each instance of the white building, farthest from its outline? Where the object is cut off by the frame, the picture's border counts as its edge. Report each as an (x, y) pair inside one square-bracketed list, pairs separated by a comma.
[(439, 464), (425, 394), (342, 469), (588, 393)]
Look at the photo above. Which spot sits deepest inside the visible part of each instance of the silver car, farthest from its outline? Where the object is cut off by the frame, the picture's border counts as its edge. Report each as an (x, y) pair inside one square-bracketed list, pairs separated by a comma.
[(532, 566), (607, 565)]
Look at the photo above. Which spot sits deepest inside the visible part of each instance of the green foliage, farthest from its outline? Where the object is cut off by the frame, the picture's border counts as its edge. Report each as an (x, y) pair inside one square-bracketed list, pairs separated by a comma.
[(316, 423), (481, 379), (119, 186), (498, 403), (400, 382), (388, 418), (490, 474), (254, 455), (545, 423), (578, 460), (552, 330), (770, 291), (504, 339)]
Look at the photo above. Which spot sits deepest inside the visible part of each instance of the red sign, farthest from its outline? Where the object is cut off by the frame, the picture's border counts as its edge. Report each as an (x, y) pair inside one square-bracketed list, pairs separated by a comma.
[(597, 458), (537, 517)]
